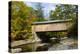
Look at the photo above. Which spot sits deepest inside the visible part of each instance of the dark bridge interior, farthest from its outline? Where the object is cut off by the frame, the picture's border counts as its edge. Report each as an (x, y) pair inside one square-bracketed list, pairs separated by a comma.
[(43, 36), (46, 36)]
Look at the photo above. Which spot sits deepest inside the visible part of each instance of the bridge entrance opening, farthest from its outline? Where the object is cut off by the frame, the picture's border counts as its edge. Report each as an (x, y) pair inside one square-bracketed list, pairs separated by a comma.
[(50, 36), (43, 36)]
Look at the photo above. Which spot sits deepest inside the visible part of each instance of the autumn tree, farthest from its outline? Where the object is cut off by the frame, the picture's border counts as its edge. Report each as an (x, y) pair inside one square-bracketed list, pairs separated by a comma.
[(21, 19)]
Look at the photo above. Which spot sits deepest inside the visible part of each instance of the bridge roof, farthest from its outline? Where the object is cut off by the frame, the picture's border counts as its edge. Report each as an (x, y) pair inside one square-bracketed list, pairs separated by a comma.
[(54, 21)]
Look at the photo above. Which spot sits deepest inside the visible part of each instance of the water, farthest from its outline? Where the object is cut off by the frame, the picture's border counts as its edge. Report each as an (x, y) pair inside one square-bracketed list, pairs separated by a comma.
[(65, 44), (62, 45)]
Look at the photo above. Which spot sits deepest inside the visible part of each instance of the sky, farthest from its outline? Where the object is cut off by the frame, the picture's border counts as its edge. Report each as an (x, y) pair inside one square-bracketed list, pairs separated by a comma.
[(47, 7)]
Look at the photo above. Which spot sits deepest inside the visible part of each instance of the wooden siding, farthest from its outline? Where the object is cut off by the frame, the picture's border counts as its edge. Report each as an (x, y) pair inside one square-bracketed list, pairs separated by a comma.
[(52, 27)]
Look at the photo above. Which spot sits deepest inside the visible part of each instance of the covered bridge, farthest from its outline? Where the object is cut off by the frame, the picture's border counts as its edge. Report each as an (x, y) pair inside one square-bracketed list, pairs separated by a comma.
[(49, 26)]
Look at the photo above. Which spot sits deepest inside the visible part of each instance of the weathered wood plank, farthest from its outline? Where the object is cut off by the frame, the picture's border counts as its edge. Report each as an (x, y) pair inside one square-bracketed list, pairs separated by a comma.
[(52, 27)]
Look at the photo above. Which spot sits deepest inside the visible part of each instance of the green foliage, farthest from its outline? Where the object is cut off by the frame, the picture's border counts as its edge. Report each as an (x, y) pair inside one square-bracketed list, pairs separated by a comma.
[(56, 34), (39, 12), (21, 19), (40, 19), (64, 12), (73, 30)]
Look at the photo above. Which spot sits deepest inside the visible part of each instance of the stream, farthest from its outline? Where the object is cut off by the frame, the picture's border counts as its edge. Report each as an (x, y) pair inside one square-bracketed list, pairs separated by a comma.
[(65, 44)]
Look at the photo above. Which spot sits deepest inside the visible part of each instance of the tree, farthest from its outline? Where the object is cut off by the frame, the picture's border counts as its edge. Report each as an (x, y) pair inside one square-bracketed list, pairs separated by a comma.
[(39, 12), (73, 30), (22, 17), (64, 12)]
